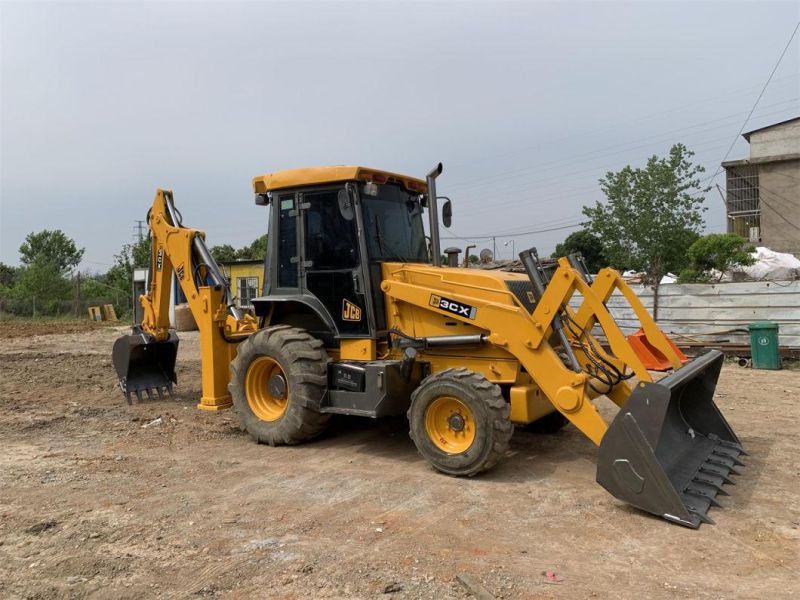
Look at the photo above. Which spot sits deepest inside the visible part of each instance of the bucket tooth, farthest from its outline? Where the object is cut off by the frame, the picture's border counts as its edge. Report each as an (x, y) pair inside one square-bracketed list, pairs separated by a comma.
[(727, 444), (714, 483), (725, 463), (701, 494), (160, 395), (714, 470), (724, 468), (719, 461), (730, 455), (128, 398), (702, 516), (138, 396), (149, 394)]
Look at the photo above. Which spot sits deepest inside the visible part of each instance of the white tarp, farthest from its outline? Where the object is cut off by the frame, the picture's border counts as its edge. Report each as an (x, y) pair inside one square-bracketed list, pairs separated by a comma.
[(772, 265)]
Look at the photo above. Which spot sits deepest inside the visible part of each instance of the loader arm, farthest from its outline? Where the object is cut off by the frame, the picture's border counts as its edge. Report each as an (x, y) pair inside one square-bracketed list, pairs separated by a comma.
[(605, 283), (525, 336), (180, 250), (669, 450)]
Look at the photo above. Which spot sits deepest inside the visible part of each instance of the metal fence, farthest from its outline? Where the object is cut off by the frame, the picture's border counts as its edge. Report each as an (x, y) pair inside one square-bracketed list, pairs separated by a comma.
[(34, 307), (717, 313)]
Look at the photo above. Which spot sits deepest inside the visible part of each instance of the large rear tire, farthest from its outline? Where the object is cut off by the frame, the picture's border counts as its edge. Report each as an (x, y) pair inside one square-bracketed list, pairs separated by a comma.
[(278, 381), (460, 422)]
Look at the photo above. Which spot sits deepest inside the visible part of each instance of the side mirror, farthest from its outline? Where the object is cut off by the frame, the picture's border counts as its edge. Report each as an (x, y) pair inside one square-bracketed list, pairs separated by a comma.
[(346, 205), (447, 213)]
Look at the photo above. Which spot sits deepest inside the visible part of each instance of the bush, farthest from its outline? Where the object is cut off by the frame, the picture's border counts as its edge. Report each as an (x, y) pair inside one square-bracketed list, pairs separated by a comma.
[(713, 255)]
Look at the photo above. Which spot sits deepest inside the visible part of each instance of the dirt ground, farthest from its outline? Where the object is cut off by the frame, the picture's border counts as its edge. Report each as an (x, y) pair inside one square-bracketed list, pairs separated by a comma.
[(102, 500)]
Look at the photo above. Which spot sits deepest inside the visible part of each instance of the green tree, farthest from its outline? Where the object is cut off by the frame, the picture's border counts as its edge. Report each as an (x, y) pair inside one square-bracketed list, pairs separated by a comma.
[(41, 288), (474, 259), (255, 251), (652, 214), (50, 247), (8, 275), (224, 253), (716, 252), (120, 276), (140, 253), (586, 244)]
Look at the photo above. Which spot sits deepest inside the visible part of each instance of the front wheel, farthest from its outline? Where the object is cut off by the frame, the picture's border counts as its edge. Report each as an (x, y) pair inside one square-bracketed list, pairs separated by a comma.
[(460, 422), (278, 381)]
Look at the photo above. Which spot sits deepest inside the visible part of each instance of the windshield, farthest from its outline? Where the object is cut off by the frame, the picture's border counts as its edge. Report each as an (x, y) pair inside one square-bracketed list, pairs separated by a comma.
[(393, 220)]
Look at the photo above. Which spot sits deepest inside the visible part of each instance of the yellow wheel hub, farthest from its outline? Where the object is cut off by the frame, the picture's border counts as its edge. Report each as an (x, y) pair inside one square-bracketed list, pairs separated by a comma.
[(450, 425), (266, 389)]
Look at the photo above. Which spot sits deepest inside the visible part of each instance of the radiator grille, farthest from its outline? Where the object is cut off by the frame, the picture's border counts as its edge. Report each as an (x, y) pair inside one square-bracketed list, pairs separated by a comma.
[(523, 291)]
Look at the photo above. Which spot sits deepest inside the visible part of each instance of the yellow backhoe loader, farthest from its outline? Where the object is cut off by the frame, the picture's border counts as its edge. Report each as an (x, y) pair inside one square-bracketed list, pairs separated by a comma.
[(359, 317)]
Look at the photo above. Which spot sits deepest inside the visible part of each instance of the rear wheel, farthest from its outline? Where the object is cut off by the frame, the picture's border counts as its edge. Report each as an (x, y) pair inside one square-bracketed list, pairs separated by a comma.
[(278, 380), (460, 422)]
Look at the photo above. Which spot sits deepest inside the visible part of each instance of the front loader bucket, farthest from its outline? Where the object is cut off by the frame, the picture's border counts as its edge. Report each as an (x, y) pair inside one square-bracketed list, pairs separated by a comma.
[(143, 365), (669, 451)]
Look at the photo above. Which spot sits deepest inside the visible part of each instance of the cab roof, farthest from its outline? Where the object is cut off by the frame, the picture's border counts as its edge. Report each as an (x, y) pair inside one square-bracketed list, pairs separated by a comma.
[(292, 178)]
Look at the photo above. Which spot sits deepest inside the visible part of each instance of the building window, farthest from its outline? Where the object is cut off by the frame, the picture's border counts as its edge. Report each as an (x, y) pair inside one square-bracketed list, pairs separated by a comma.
[(743, 202), (248, 289)]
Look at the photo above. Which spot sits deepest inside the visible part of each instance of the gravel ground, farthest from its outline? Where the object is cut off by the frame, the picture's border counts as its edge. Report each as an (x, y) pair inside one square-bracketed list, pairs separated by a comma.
[(102, 500)]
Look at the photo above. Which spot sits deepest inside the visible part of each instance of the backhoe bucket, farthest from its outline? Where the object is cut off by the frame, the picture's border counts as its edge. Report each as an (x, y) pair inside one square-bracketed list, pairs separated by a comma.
[(669, 451), (145, 366)]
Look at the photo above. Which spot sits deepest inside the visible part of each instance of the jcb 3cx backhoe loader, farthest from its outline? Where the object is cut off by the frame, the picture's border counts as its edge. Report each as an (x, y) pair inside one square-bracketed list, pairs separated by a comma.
[(358, 317)]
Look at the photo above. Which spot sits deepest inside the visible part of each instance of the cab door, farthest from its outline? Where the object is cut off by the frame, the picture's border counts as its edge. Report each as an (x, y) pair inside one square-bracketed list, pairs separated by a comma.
[(332, 261)]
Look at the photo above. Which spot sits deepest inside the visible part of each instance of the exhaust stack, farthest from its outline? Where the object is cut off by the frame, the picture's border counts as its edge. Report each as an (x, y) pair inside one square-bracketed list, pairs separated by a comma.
[(433, 215)]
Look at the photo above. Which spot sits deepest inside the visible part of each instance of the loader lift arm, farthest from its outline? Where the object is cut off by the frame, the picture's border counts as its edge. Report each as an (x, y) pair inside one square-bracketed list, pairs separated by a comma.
[(669, 450), (182, 251)]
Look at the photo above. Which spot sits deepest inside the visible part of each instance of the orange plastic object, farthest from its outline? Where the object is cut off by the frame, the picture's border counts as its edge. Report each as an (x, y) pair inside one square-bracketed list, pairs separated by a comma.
[(651, 357)]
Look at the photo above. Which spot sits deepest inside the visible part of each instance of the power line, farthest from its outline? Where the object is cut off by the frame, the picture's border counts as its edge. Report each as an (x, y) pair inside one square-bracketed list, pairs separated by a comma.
[(623, 147), (763, 89), (517, 234), (783, 200), (648, 117), (565, 193)]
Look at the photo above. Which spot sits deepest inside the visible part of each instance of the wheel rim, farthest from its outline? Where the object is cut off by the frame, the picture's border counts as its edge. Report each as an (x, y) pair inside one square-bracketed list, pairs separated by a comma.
[(450, 425), (266, 389)]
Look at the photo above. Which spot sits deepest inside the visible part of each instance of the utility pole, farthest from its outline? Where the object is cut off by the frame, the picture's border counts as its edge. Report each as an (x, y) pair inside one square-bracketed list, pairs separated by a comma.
[(77, 301), (494, 248), (513, 252), (140, 228)]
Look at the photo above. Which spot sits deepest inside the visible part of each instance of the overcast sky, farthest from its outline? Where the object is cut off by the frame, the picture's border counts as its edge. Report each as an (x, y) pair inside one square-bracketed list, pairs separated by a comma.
[(526, 104)]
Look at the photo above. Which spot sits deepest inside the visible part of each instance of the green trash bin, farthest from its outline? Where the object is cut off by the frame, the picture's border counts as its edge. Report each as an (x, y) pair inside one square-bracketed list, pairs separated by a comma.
[(764, 345)]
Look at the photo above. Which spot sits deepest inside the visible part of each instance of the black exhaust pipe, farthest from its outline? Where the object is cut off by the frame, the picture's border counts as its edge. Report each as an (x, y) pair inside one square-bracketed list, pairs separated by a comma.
[(433, 216)]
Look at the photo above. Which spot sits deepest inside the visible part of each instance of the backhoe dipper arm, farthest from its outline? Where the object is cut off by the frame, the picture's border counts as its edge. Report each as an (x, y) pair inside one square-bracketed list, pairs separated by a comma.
[(182, 250)]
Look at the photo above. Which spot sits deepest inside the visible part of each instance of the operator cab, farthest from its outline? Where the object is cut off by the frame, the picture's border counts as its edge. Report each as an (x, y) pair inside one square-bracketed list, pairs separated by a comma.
[(320, 274)]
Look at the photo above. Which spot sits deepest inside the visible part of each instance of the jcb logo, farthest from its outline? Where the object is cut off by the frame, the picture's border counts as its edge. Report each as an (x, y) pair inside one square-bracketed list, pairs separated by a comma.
[(457, 308), (160, 258), (350, 312), (180, 271)]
